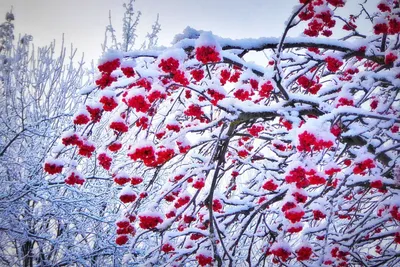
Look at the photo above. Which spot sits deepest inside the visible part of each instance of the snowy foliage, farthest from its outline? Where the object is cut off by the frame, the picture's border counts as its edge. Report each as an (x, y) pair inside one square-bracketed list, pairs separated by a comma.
[(43, 222)]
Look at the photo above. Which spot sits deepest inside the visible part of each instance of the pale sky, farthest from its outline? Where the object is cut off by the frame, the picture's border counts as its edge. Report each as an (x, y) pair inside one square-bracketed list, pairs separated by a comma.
[(83, 21)]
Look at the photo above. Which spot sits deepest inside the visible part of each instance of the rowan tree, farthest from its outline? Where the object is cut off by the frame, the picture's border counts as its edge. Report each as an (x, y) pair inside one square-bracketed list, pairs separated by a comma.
[(220, 161)]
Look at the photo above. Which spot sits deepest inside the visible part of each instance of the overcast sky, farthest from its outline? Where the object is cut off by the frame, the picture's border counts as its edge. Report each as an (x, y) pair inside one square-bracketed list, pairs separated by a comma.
[(83, 21)]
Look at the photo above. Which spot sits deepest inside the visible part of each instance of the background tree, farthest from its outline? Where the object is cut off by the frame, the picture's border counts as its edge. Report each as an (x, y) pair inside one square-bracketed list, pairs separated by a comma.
[(45, 221), (39, 88)]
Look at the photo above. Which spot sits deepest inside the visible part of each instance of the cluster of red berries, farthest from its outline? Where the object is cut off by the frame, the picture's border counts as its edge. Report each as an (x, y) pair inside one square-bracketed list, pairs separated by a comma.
[(197, 74), (225, 75), (105, 80), (95, 113), (199, 183), (378, 184), (294, 214), (162, 156), (270, 185), (170, 214), (81, 119), (332, 171), (235, 77), (280, 146), (204, 260), (350, 24), (374, 104), (336, 130), (182, 201), (304, 253), (121, 178), (320, 24), (298, 176), (74, 178), (104, 160), (395, 212), (175, 127), (295, 228), (145, 153), (207, 54), (167, 248), (109, 66), (119, 126), (194, 111), (390, 58), (299, 197), (139, 103), (141, 83), (124, 229), (142, 122), (72, 139), (344, 102), (128, 197), (347, 75), (287, 124), (155, 95), (128, 72), (308, 84), (339, 254), (136, 180), (242, 94), (86, 148), (106, 69), (397, 238), (321, 21), (309, 142), (362, 166), (315, 179), (149, 221), (266, 89), (282, 253), (333, 64), (183, 148), (217, 205), (390, 23), (255, 129), (115, 146), (169, 65), (53, 168), (318, 215), (304, 178), (179, 77), (215, 95), (109, 102)]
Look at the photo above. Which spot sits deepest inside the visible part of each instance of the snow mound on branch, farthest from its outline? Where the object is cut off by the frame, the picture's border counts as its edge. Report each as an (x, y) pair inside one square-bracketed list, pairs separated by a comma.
[(207, 39), (53, 161), (320, 129), (280, 244), (110, 56), (188, 33), (176, 53), (108, 93), (127, 190)]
